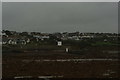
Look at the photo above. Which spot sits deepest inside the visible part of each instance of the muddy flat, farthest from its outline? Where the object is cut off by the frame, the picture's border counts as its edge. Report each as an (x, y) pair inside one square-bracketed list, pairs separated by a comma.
[(60, 64)]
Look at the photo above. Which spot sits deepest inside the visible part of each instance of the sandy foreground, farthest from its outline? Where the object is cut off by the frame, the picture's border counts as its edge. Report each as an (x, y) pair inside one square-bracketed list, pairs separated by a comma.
[(59, 65)]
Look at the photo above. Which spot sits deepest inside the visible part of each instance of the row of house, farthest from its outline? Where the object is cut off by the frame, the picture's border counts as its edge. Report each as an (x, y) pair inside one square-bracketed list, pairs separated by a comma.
[(18, 38), (76, 37), (15, 41)]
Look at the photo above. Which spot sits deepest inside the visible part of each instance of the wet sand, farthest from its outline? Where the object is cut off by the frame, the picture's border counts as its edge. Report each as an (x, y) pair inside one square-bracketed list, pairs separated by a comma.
[(59, 64)]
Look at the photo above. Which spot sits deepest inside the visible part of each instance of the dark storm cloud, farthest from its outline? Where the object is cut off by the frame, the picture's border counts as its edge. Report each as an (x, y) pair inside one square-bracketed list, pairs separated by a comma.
[(55, 17)]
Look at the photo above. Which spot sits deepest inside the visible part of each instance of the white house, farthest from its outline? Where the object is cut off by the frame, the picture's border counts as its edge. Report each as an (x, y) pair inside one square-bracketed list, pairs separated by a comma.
[(59, 43), (28, 40), (12, 41)]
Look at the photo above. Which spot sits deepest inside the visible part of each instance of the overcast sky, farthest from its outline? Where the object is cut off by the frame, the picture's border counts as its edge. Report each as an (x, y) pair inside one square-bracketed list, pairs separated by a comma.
[(60, 17)]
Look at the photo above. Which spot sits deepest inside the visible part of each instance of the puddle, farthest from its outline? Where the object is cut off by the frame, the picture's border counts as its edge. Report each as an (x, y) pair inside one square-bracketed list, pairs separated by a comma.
[(68, 60), (109, 72), (17, 77), (44, 77), (50, 76), (112, 72), (106, 74), (111, 52)]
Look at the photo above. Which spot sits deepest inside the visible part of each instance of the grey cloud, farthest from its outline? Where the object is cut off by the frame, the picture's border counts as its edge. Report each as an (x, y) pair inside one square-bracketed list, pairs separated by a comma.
[(59, 17)]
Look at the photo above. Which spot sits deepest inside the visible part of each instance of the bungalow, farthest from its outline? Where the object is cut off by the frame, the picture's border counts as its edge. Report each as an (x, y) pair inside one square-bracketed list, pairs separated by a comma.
[(4, 40), (87, 36), (42, 37), (28, 40), (74, 38), (14, 41), (21, 41)]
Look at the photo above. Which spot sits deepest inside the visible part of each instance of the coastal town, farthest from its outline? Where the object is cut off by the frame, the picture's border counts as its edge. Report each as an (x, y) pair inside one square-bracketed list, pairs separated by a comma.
[(14, 38)]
